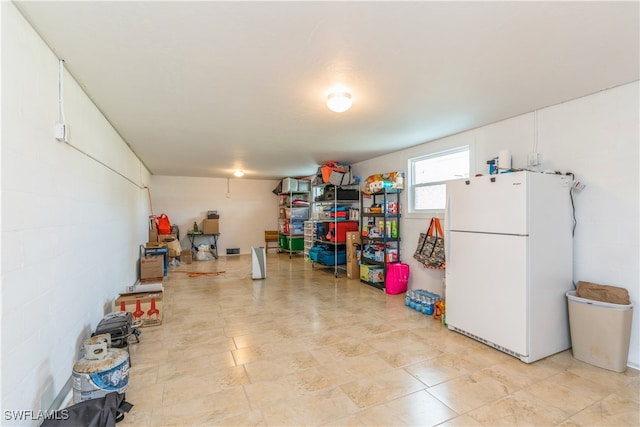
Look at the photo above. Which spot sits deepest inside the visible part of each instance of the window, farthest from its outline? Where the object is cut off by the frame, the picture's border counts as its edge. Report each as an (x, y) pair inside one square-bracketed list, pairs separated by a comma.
[(428, 176)]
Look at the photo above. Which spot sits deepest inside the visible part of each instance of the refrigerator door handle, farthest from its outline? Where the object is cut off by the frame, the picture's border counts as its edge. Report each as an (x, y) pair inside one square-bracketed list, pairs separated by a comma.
[(447, 232)]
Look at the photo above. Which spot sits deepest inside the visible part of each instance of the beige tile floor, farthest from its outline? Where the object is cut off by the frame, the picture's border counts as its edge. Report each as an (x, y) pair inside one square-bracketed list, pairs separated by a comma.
[(303, 347)]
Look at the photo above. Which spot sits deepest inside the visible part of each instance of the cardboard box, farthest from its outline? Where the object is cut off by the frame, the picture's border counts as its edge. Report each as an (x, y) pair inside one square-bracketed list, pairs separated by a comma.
[(173, 245), (151, 268), (186, 256), (153, 229), (160, 251), (155, 245), (144, 287), (145, 306), (371, 274), (353, 254), (353, 240), (210, 226), (167, 237)]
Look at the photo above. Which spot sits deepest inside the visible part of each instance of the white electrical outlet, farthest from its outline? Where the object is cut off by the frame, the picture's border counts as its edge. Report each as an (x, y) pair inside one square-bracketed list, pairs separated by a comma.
[(578, 186), (533, 159), (61, 131)]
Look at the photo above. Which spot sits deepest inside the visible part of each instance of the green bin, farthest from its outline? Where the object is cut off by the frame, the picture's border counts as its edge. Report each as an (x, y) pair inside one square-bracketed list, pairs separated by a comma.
[(292, 243)]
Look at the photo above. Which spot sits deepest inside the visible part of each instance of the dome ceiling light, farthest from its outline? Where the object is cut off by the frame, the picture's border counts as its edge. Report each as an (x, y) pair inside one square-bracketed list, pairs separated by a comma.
[(339, 101)]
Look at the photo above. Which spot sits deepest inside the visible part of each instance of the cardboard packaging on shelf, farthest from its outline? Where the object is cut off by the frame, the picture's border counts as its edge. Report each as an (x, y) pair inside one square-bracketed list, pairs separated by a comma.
[(210, 226), (353, 254)]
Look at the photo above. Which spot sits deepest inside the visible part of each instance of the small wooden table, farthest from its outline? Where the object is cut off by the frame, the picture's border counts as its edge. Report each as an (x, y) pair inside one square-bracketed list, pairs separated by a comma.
[(271, 236)]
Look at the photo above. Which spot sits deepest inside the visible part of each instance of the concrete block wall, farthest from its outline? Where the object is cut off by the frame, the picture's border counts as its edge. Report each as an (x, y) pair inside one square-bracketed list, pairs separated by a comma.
[(73, 217)]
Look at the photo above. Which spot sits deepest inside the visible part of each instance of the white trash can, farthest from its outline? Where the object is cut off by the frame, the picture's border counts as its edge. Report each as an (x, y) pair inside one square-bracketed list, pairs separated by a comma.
[(600, 332)]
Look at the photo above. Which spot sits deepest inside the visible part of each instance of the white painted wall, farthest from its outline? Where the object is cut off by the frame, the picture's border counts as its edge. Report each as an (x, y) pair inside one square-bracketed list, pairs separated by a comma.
[(249, 210), (595, 137), (71, 224)]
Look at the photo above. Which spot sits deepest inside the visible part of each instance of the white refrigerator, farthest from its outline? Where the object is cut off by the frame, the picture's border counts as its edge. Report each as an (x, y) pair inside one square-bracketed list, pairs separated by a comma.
[(509, 253)]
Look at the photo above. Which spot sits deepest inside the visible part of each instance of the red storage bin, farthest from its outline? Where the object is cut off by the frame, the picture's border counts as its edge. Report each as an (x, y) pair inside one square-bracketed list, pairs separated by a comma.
[(338, 231), (397, 278)]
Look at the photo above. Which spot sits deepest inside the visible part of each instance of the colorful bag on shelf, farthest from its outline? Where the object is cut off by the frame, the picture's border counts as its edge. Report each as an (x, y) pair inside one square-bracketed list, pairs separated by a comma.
[(341, 178), (335, 173), (164, 225), (378, 182)]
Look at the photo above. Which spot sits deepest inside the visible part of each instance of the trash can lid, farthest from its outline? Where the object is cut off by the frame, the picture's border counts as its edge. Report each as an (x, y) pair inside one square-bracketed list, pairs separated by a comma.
[(571, 295)]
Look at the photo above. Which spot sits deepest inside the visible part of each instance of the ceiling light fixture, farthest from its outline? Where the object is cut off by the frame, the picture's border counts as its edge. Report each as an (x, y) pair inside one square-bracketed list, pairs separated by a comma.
[(339, 101), (238, 173)]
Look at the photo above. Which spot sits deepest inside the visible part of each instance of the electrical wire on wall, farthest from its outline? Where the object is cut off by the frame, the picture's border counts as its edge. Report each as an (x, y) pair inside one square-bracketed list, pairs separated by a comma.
[(228, 189), (576, 186), (61, 120), (573, 206), (533, 157), (535, 131), (62, 129)]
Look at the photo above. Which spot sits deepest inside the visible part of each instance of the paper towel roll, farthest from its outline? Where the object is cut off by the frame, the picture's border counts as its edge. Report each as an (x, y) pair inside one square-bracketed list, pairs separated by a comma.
[(504, 160)]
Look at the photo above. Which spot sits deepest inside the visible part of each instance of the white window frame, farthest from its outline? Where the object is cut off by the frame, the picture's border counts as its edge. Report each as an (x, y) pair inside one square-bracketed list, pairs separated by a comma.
[(411, 185)]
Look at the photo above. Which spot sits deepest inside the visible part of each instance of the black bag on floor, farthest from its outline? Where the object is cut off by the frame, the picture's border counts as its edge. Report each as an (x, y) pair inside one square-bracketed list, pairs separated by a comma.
[(104, 411)]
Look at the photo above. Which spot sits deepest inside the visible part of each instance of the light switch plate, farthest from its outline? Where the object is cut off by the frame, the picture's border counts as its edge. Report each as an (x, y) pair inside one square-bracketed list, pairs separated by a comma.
[(61, 132)]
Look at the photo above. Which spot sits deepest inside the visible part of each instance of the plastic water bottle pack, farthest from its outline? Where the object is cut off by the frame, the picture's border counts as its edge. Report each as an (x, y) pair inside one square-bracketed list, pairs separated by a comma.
[(421, 300)]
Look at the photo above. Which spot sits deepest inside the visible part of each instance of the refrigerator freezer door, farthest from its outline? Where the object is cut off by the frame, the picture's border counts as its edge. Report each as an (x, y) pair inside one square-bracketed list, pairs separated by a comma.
[(490, 203), (486, 290)]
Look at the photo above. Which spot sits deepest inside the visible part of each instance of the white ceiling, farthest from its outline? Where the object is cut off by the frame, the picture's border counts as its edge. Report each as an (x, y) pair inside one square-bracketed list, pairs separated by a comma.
[(202, 88)]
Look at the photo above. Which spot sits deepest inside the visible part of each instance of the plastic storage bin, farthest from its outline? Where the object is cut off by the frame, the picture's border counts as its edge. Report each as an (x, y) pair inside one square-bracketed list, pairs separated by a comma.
[(297, 213), (371, 274), (289, 185), (600, 332), (338, 231), (292, 243), (304, 185)]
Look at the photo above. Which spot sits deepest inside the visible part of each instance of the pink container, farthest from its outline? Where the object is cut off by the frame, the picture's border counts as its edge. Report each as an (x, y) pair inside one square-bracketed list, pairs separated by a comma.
[(397, 278)]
